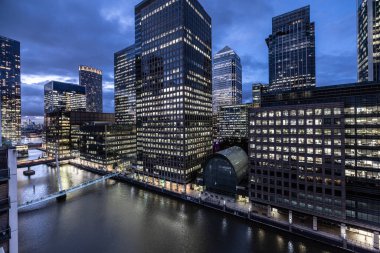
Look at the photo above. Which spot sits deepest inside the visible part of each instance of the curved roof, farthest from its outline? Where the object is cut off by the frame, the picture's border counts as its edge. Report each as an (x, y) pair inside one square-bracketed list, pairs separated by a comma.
[(237, 158)]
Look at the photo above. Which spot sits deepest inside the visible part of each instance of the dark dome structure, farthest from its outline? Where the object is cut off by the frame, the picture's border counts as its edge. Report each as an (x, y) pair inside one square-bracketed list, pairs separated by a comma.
[(225, 170)]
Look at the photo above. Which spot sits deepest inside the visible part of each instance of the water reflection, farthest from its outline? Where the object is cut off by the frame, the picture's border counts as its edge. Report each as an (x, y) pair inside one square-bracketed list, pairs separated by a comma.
[(115, 217)]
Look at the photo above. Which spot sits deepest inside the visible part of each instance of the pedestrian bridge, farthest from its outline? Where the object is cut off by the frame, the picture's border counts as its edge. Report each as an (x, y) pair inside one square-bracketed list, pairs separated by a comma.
[(64, 192), (46, 160)]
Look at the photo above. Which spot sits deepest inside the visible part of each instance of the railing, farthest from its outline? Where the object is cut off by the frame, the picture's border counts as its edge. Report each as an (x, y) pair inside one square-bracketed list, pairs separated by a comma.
[(64, 192)]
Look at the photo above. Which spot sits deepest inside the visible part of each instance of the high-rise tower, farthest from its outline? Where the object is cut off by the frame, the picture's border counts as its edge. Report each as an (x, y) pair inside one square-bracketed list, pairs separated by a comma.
[(91, 79), (292, 51), (227, 79), (368, 19), (125, 86), (10, 90), (173, 93)]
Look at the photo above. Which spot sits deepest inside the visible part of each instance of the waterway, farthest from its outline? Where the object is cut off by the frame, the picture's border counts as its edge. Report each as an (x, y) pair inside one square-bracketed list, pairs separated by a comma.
[(115, 217)]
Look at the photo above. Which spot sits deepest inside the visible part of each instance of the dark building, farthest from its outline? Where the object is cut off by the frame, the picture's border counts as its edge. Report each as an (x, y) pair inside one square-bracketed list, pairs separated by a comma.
[(224, 170), (91, 79), (174, 91), (10, 90), (8, 200), (368, 19), (317, 151), (292, 51), (106, 146), (62, 130), (257, 90), (226, 79), (125, 86), (64, 97), (232, 126)]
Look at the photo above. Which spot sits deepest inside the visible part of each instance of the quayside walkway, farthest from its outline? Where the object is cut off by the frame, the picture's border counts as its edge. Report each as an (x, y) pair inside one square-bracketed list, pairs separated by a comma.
[(63, 193)]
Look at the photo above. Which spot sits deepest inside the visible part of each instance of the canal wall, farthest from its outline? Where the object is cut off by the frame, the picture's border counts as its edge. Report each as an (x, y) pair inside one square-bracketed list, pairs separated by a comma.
[(319, 236)]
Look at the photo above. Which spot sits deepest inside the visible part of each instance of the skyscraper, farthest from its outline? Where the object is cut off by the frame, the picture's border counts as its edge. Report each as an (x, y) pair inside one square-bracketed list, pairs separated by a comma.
[(368, 40), (125, 87), (10, 89), (292, 51), (226, 80), (64, 97), (174, 91), (91, 79), (59, 99)]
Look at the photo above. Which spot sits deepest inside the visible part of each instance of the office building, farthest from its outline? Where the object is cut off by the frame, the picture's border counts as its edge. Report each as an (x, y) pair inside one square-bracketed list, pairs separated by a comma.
[(64, 97), (315, 151), (292, 51), (91, 79), (10, 90), (226, 79), (8, 200), (257, 90), (125, 86), (368, 22), (63, 127), (232, 125), (106, 146), (174, 91)]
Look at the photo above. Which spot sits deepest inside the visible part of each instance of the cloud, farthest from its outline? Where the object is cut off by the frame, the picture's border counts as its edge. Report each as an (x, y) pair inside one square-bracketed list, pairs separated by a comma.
[(58, 36), (124, 21)]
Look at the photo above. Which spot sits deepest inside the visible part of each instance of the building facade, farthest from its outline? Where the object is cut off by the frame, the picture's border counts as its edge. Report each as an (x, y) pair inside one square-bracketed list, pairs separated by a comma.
[(292, 51), (226, 79), (368, 44), (62, 130), (106, 146), (10, 90), (91, 78), (125, 86), (64, 97), (233, 123), (334, 145), (297, 158), (257, 90), (8, 200), (174, 91)]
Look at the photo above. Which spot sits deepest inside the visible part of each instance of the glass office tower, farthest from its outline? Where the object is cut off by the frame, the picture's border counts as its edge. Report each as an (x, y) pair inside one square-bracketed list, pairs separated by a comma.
[(368, 19), (10, 89), (125, 88), (60, 98), (91, 79), (226, 79), (174, 93), (292, 51), (64, 97)]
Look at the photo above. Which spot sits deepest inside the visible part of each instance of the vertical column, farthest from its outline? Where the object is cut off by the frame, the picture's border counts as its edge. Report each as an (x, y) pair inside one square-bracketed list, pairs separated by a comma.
[(13, 214), (269, 211), (290, 220), (376, 240), (343, 234), (315, 223)]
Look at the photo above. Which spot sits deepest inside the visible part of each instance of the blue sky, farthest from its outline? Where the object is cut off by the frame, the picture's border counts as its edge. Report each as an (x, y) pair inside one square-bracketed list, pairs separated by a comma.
[(58, 36)]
